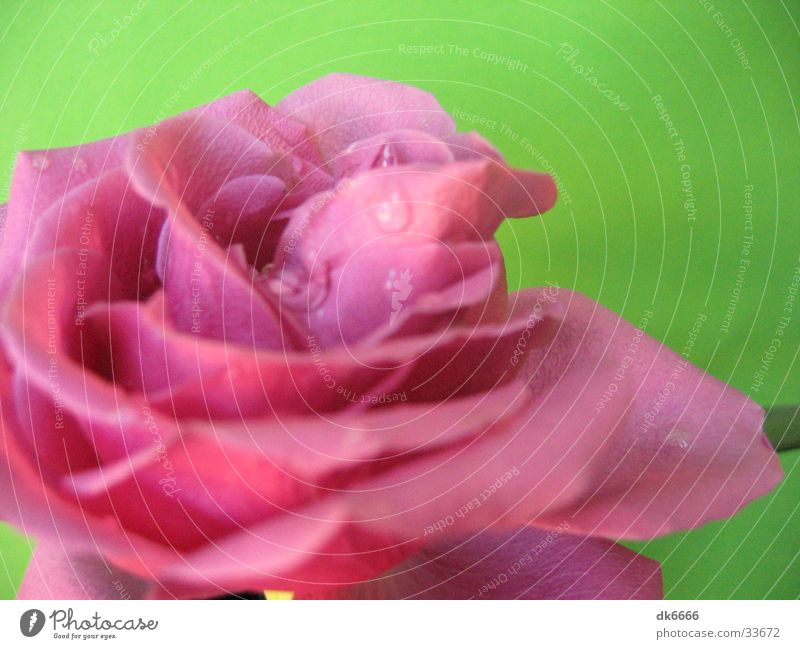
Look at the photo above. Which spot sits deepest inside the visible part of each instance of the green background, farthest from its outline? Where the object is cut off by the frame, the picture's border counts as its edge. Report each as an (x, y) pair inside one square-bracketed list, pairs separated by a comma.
[(75, 71)]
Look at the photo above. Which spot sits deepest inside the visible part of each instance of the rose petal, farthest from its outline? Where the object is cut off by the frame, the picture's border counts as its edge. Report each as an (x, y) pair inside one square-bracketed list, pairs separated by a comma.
[(247, 110), (108, 217), (390, 149), (187, 375), (54, 574), (243, 211), (690, 448), (439, 278), (527, 564), (209, 294), (193, 491), (481, 298), (42, 178), (519, 471), (351, 444), (189, 158), (312, 550), (181, 169), (386, 214), (54, 439), (43, 335), (41, 511), (464, 201), (340, 109), (190, 376)]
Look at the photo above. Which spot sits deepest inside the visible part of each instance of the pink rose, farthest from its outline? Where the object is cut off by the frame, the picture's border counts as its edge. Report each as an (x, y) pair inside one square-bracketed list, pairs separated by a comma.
[(272, 348)]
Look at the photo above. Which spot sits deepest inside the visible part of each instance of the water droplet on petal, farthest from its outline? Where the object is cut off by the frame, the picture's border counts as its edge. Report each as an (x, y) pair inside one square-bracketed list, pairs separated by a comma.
[(387, 156), (79, 164), (679, 439), (40, 162), (392, 215)]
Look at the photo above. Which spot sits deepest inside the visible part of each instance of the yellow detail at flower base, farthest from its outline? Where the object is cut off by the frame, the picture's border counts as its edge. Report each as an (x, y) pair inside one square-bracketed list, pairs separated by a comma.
[(278, 594)]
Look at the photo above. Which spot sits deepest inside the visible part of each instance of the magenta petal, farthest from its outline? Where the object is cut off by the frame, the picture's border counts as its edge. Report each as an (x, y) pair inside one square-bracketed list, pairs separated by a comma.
[(462, 359), (106, 216), (309, 550), (248, 111), (54, 441), (188, 375), (189, 158), (54, 574), (479, 297), (41, 512), (35, 342), (517, 471), (417, 274), (208, 292), (243, 210), (343, 446), (193, 490), (40, 179), (527, 564), (689, 448), (341, 109), (191, 376), (389, 215)]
